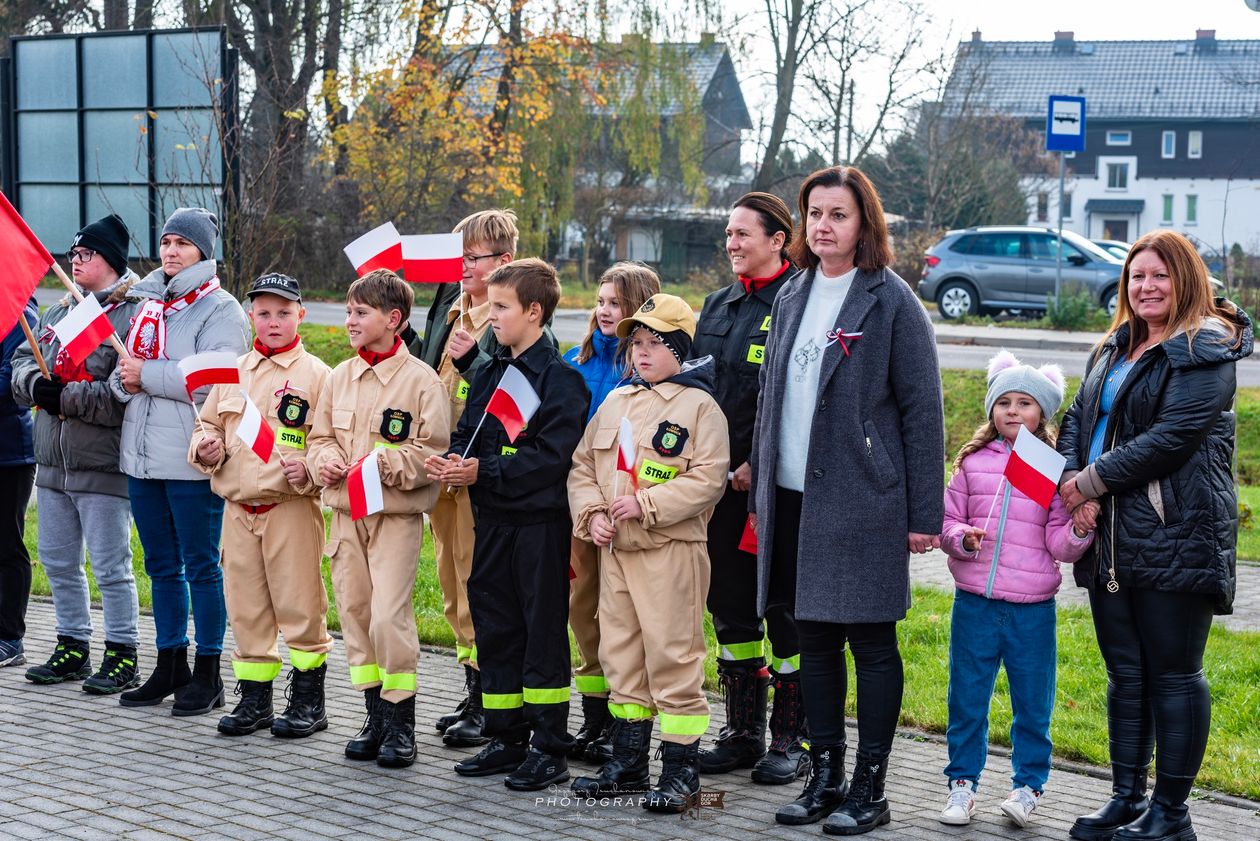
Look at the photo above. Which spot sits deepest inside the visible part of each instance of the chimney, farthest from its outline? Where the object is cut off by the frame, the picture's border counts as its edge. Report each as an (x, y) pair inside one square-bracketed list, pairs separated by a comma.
[(1205, 40), (1064, 42), (975, 36), (707, 39)]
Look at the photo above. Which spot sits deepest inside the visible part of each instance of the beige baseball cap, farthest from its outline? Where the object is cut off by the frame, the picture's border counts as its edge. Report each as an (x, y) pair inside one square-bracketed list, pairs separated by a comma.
[(662, 313)]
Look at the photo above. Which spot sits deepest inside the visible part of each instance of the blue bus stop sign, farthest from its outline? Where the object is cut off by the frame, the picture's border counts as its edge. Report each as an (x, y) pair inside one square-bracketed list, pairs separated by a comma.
[(1065, 124)]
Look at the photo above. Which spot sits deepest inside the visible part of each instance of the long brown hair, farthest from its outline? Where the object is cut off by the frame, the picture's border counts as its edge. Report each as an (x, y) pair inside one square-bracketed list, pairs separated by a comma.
[(873, 249), (774, 214), (635, 283), (1192, 299), (986, 432)]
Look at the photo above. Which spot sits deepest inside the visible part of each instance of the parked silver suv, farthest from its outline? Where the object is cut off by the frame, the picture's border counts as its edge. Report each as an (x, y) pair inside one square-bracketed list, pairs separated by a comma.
[(985, 269)]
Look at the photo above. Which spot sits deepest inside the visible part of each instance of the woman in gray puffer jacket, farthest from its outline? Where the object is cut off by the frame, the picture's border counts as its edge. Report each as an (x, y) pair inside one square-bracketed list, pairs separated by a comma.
[(183, 311)]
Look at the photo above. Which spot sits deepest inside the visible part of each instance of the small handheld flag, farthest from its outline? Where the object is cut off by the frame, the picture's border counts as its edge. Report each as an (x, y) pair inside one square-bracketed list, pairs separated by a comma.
[(363, 483), (255, 432), (1034, 468), (513, 402), (433, 258), (210, 368), (379, 248), (83, 329), (626, 452)]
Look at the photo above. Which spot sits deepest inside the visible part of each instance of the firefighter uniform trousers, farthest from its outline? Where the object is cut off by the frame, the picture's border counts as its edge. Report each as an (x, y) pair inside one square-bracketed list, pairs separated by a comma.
[(374, 565), (732, 599), (584, 617), (518, 591), (451, 523), (272, 582), (652, 636)]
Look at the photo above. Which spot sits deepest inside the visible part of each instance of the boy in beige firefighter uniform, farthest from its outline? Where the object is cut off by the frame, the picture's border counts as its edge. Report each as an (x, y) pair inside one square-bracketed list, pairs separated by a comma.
[(385, 404), (654, 563), (273, 531)]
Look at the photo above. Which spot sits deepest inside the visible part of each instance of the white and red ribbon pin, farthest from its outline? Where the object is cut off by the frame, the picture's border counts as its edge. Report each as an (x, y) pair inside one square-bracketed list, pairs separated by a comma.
[(842, 337)]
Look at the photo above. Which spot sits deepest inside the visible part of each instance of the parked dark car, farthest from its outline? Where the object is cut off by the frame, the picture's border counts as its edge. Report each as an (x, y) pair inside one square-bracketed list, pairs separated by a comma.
[(986, 269)]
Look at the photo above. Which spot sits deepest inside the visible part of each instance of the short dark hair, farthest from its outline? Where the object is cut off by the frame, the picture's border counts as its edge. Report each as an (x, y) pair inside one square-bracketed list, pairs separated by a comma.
[(873, 249), (534, 281), (383, 290), (774, 214)]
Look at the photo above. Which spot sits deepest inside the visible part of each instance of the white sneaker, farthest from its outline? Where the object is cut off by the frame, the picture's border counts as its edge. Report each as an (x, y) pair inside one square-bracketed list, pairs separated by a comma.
[(1019, 806), (961, 804)]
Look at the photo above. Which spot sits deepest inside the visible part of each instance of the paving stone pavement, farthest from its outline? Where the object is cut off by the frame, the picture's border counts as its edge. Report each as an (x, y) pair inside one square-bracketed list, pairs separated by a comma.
[(931, 570), (77, 766)]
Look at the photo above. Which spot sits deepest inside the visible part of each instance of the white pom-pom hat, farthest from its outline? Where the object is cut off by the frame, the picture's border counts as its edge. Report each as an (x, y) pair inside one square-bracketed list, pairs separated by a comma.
[(1045, 384)]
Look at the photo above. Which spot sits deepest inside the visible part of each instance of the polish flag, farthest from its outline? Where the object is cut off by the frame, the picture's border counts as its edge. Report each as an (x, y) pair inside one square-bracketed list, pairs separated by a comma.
[(26, 261), (83, 329), (379, 248), (513, 402), (748, 540), (255, 432), (363, 483), (433, 258), (626, 452), (211, 368), (1034, 468)]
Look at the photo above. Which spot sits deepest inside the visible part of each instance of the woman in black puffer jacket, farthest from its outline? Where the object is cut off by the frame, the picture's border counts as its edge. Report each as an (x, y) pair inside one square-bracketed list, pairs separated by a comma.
[(1150, 436)]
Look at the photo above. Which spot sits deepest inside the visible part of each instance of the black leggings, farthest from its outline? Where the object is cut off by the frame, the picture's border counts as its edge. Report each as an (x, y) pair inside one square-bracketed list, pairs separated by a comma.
[(824, 681), (1152, 643), (15, 563)]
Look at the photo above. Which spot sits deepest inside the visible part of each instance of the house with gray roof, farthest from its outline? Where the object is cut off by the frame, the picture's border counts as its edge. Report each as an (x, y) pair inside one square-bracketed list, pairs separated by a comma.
[(1172, 130)]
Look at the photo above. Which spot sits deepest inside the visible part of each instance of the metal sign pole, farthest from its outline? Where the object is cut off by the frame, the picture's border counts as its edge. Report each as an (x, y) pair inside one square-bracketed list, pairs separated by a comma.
[(1058, 265)]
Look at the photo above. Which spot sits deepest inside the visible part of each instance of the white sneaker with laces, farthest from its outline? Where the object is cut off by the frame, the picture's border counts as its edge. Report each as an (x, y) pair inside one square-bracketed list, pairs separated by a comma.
[(1019, 806), (961, 804)]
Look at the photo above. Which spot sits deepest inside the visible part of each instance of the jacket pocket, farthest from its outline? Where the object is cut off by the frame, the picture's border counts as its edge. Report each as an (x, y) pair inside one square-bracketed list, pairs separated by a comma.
[(1159, 493), (343, 418), (877, 457), (331, 547)]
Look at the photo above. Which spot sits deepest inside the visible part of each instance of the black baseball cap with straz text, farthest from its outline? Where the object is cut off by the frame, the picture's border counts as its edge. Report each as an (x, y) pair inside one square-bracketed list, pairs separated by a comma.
[(274, 283)]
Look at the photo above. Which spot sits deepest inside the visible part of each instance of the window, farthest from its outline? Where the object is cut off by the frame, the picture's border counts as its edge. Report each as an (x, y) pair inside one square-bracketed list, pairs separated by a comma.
[(1192, 210), (1167, 217), (1119, 138), (1117, 176), (995, 245), (1043, 206), (1067, 205), (1168, 147), (1194, 144), (1044, 247)]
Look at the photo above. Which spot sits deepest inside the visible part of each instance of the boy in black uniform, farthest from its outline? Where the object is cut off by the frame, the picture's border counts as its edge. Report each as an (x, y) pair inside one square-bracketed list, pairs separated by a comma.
[(519, 587)]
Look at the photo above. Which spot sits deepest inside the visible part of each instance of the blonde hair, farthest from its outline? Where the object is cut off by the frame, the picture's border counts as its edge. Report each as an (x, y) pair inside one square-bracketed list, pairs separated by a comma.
[(494, 228), (987, 432), (635, 283)]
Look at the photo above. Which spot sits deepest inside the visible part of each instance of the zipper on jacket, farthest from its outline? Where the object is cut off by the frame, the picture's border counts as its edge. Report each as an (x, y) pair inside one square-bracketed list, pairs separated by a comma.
[(997, 543), (869, 452)]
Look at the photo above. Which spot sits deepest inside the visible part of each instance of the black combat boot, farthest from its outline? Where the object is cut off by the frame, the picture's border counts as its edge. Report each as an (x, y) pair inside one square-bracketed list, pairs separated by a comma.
[(398, 737), (367, 743), (742, 742), (252, 713), (787, 760), (466, 731), (170, 676), (503, 755), (865, 806), (824, 791), (595, 721), (444, 722), (1128, 802), (304, 714), (538, 771), (69, 661), (1168, 818), (679, 783), (204, 691), (627, 771), (119, 670)]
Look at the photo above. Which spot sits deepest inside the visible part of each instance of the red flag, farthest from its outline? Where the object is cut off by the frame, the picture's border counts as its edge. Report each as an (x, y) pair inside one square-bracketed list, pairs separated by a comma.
[(255, 432), (626, 452), (379, 248), (1034, 468), (748, 541), (363, 484), (26, 261), (211, 368), (83, 329), (433, 258), (513, 402)]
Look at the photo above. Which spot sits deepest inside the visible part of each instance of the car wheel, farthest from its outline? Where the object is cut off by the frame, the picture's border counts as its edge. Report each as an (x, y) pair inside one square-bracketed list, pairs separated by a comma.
[(1111, 300), (957, 299)]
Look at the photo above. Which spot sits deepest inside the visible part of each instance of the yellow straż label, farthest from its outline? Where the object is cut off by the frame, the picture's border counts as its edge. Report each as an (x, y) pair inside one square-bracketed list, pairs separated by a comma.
[(765, 323), (651, 471), (292, 438), (461, 393), (507, 451), (756, 354)]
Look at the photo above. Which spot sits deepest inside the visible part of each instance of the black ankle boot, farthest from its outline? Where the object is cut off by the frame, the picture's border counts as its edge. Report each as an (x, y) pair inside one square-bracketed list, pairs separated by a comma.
[(595, 720), (444, 722), (466, 732), (205, 690), (119, 671), (1128, 802), (69, 661), (367, 743), (252, 713), (502, 756), (865, 806), (538, 771), (627, 771), (170, 676), (679, 783), (1168, 818), (304, 714), (398, 739), (824, 791), (742, 742), (787, 759), (600, 751)]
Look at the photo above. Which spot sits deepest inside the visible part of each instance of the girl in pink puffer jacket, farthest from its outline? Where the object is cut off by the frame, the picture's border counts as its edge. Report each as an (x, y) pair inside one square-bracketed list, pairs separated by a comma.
[(1004, 552)]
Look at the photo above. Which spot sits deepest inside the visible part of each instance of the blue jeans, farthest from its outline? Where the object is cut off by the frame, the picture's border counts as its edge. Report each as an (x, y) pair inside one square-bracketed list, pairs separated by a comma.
[(179, 523), (986, 634)]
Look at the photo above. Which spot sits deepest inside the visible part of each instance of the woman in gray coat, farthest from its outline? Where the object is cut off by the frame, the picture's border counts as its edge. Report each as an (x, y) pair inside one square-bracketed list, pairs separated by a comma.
[(848, 479)]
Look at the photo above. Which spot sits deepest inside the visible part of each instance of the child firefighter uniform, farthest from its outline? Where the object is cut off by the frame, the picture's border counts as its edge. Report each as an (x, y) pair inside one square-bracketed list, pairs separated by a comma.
[(650, 468)]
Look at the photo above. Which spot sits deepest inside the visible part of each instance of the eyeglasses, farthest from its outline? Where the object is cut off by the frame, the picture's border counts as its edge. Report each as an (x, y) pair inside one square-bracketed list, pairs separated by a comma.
[(81, 255), (470, 260)]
